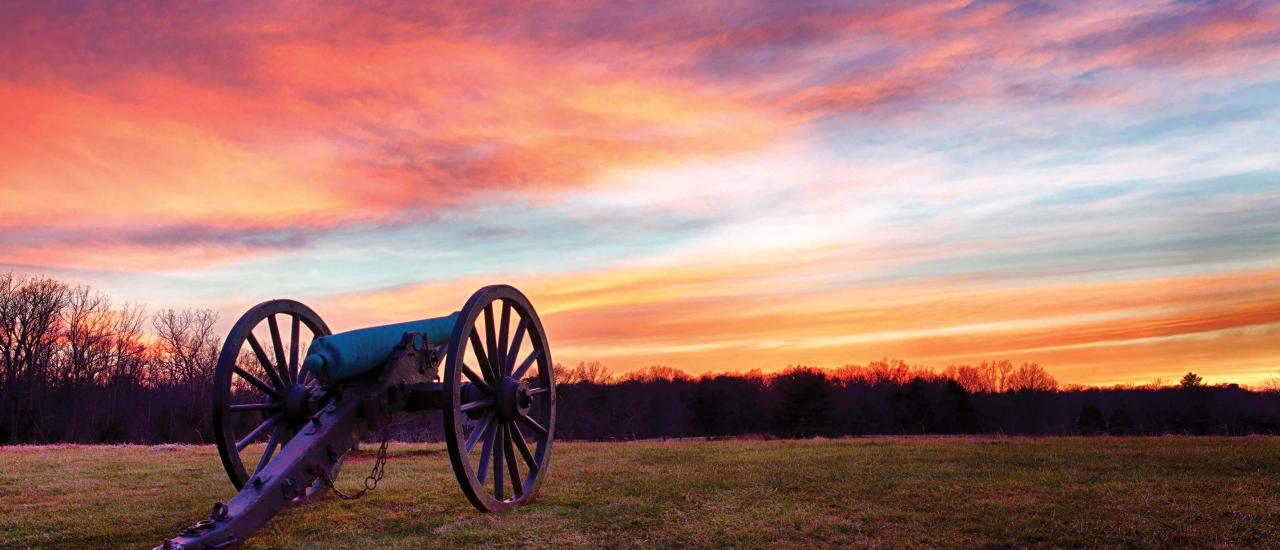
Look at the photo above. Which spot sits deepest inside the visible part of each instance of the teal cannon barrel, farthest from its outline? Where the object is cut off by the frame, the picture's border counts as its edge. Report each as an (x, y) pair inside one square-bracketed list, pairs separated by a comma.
[(352, 353)]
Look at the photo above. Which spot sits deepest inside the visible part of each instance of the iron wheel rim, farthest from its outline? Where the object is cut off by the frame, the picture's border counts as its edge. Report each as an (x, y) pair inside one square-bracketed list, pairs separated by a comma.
[(225, 410), (502, 435)]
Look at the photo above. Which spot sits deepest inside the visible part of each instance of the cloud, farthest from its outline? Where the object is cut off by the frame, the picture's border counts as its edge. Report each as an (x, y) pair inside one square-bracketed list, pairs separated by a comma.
[(1188, 33), (712, 318)]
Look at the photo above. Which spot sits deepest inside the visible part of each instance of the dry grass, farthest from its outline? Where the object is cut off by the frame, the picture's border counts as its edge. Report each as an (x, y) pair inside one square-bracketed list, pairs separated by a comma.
[(915, 492)]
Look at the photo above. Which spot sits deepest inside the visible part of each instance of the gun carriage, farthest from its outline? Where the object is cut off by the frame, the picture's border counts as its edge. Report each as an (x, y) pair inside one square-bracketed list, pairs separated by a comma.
[(496, 393)]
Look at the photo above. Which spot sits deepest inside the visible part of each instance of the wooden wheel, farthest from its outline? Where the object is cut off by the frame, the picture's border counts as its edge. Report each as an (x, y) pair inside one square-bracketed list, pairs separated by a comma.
[(259, 393), (499, 400)]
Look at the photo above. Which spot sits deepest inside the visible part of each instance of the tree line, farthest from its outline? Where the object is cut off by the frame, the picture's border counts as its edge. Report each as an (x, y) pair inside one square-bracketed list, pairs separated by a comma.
[(75, 368), (890, 397)]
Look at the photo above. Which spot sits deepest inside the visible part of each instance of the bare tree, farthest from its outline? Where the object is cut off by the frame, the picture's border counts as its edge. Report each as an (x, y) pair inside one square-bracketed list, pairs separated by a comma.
[(186, 347), (654, 373), (30, 322), (849, 373), (8, 331), (890, 371), (969, 377), (128, 350), (995, 375), (1031, 377), (1270, 385), (1004, 370), (87, 335), (594, 373)]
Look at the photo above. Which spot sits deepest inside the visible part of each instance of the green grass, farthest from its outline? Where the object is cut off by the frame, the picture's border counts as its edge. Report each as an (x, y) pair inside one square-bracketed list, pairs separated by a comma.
[(892, 492)]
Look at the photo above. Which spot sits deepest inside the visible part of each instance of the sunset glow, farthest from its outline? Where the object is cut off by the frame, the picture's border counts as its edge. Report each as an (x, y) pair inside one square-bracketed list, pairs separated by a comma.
[(1093, 186)]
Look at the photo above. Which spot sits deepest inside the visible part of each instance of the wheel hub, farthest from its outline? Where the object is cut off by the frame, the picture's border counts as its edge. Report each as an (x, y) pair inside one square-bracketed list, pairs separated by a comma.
[(513, 398), (297, 404)]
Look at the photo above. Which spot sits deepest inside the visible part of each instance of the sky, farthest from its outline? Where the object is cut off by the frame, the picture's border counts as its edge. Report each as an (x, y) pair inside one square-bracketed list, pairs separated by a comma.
[(1093, 186)]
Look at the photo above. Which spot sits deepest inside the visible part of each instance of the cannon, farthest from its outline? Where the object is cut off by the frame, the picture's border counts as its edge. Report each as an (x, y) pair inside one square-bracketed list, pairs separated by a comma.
[(283, 425)]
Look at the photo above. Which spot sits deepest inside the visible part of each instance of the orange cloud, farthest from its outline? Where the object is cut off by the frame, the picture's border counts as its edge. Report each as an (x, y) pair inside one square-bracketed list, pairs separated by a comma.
[(314, 132), (748, 316)]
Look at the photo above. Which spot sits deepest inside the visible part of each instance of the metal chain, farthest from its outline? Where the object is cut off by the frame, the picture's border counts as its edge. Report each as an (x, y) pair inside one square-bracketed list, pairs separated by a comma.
[(371, 482)]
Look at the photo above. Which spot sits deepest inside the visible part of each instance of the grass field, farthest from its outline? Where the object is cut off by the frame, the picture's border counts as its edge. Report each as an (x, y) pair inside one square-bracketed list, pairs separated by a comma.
[(892, 492)]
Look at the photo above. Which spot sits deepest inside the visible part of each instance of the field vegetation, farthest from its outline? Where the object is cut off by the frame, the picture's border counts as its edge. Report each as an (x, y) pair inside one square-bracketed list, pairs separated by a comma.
[(876, 492)]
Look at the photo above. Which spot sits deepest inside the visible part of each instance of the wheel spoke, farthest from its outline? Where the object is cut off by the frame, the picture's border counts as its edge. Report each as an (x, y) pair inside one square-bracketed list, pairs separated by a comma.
[(269, 451), (257, 432), (509, 360), (492, 350), (476, 379), (497, 461), (477, 404), (518, 438), (528, 362), (262, 359), (293, 347), (255, 407), (278, 343), (257, 383), (504, 329), (478, 349), (536, 391), (516, 485), (533, 424), (486, 450), (482, 427)]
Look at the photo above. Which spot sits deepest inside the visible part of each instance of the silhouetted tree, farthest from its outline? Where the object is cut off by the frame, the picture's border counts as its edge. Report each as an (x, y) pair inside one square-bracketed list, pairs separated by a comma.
[(913, 406), (1270, 385), (730, 404), (1120, 423), (1191, 380), (804, 401), (30, 326), (957, 408), (1090, 421)]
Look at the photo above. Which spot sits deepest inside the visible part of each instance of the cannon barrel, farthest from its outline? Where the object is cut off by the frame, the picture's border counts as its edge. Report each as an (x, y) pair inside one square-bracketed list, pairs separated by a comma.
[(355, 352)]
